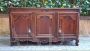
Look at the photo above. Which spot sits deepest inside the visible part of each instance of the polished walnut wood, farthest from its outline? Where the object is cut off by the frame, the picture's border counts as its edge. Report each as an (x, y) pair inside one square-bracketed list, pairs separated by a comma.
[(44, 25)]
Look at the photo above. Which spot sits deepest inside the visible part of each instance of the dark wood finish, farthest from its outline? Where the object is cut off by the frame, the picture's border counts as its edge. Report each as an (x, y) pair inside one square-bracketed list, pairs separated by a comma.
[(44, 25)]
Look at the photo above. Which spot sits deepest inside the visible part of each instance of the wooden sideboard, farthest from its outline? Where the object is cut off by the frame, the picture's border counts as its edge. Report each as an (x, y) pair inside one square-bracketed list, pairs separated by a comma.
[(44, 25)]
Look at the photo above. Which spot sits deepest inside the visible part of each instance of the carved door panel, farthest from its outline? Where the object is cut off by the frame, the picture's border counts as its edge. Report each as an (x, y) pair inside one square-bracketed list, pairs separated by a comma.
[(45, 23), (21, 25), (67, 23)]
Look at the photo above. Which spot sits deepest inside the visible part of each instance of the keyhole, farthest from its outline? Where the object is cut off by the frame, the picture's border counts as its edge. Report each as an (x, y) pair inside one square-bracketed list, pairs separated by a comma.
[(59, 31), (29, 30)]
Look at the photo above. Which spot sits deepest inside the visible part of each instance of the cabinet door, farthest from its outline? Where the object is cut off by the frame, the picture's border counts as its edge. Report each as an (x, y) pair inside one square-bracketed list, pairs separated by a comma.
[(67, 24), (45, 23), (21, 25)]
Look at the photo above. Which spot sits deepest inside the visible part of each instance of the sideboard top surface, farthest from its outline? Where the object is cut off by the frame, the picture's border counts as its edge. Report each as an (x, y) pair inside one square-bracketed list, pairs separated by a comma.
[(13, 9)]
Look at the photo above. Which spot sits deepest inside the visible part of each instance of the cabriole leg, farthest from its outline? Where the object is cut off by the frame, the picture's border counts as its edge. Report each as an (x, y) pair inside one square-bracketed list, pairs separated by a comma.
[(77, 41)]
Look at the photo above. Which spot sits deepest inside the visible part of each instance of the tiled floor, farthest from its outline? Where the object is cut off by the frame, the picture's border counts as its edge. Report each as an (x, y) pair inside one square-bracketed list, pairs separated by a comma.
[(84, 45)]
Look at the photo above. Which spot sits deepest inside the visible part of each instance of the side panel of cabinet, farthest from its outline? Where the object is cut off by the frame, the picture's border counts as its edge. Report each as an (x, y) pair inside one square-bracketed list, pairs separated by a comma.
[(21, 25), (67, 25)]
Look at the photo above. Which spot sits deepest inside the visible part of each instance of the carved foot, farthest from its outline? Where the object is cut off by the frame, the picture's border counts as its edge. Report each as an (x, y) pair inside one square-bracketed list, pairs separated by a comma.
[(77, 41), (13, 43)]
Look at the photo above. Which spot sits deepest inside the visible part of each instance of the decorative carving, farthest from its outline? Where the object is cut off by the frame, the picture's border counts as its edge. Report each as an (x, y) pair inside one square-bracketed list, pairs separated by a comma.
[(21, 24), (45, 16), (66, 24), (44, 20), (44, 40)]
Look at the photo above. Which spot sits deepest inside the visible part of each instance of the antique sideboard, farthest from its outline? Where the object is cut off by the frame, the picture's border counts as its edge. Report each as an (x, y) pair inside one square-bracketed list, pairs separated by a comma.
[(44, 25)]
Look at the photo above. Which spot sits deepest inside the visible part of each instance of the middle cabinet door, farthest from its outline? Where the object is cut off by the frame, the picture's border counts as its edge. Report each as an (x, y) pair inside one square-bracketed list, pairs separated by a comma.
[(45, 23)]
